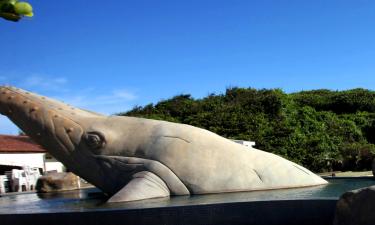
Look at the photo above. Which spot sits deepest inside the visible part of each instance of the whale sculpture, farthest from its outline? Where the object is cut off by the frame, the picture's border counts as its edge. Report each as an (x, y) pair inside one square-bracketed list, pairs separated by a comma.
[(133, 158)]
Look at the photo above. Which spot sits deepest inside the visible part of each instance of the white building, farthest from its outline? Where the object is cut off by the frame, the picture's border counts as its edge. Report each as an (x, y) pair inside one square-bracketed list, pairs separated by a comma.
[(246, 143), (17, 152)]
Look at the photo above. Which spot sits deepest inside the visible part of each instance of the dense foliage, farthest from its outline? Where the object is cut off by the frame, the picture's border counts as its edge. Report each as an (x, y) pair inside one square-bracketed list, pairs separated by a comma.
[(14, 10), (321, 129)]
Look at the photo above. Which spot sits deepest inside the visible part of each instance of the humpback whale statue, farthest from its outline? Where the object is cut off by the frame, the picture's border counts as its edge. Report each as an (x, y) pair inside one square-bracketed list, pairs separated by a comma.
[(134, 159)]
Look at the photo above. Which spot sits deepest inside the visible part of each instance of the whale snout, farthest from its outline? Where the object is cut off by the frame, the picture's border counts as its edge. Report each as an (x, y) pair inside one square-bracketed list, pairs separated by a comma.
[(46, 121)]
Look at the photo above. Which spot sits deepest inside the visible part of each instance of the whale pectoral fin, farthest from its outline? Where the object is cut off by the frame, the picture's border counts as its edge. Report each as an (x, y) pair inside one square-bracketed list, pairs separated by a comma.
[(144, 185)]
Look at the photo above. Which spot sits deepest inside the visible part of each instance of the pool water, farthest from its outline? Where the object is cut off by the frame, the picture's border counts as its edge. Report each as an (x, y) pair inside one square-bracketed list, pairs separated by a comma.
[(93, 199)]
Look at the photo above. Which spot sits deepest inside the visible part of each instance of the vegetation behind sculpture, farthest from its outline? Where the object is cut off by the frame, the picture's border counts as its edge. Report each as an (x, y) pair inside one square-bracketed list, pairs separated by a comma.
[(321, 129)]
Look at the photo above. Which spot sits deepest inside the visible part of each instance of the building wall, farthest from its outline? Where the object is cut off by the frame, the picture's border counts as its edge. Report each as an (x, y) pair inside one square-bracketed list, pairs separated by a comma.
[(55, 166), (245, 143), (52, 164), (38, 160), (21, 160)]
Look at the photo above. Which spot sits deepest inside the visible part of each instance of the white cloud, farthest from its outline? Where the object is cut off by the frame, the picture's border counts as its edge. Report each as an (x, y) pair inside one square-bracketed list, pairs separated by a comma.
[(116, 101), (46, 83), (117, 96), (106, 101), (124, 94)]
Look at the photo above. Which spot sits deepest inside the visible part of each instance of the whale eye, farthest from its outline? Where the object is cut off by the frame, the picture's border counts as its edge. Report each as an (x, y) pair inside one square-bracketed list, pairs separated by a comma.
[(95, 140)]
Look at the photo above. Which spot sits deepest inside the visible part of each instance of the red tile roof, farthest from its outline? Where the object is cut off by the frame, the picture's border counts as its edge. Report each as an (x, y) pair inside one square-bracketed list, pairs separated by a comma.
[(19, 144)]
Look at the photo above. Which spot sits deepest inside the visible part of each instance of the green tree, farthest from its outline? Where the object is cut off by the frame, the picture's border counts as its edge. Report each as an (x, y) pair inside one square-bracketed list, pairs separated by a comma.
[(321, 129), (14, 10)]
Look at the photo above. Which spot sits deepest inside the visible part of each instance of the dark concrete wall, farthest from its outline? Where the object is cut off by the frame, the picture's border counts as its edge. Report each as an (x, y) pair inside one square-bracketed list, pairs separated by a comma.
[(283, 212)]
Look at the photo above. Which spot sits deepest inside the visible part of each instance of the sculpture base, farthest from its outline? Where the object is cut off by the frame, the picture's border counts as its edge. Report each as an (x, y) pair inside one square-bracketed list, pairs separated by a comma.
[(301, 206), (283, 212)]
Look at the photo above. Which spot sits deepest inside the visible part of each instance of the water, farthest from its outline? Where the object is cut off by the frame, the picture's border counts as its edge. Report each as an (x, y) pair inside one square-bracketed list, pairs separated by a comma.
[(94, 200)]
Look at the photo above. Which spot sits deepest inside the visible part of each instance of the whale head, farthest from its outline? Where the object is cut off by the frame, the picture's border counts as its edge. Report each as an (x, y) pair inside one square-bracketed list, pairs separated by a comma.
[(78, 138)]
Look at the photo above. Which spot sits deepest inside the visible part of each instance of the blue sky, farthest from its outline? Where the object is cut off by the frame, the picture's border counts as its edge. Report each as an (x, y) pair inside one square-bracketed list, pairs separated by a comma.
[(108, 56)]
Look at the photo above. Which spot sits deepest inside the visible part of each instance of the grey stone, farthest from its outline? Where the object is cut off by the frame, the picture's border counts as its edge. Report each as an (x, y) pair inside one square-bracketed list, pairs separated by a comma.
[(53, 182), (356, 207), (125, 156)]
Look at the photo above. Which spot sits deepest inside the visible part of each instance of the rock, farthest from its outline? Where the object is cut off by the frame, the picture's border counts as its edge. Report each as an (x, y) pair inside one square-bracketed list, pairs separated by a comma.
[(57, 182), (373, 167), (356, 207)]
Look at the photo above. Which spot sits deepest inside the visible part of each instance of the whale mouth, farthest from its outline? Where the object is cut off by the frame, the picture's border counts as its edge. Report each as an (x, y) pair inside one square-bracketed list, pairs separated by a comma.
[(45, 120)]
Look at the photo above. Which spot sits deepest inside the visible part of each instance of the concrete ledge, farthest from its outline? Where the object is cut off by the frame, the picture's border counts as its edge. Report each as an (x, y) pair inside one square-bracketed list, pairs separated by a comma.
[(281, 212), (328, 178)]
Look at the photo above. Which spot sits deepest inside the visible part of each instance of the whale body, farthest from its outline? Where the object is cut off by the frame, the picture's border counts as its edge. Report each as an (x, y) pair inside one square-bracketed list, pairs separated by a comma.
[(134, 158)]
